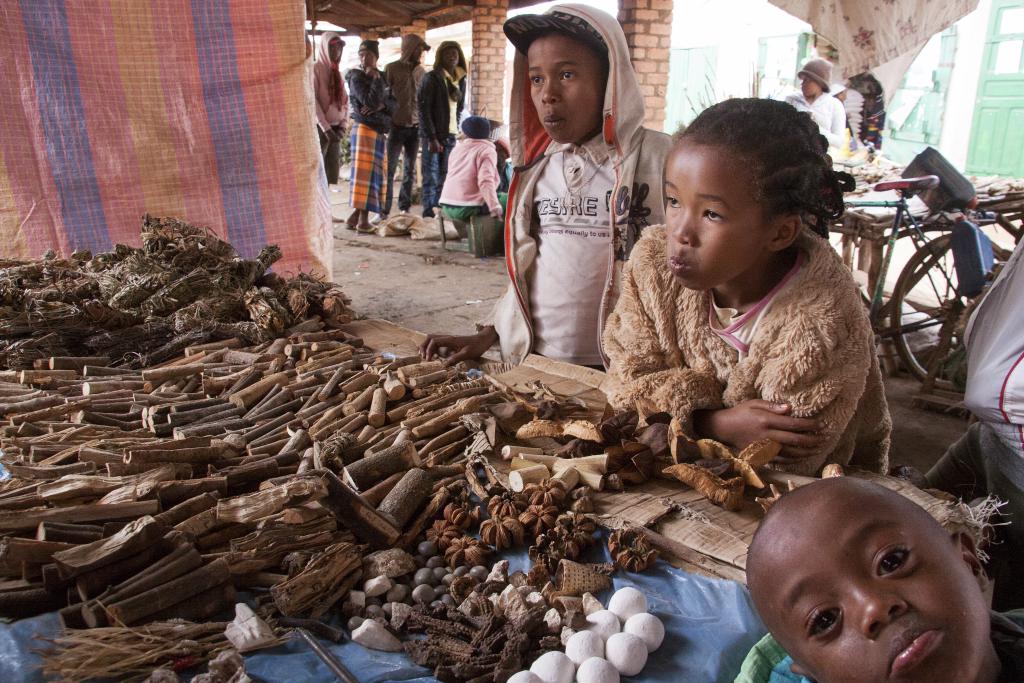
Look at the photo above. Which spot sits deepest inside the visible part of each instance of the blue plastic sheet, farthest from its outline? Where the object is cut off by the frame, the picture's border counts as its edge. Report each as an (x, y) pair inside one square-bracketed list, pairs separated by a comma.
[(710, 625)]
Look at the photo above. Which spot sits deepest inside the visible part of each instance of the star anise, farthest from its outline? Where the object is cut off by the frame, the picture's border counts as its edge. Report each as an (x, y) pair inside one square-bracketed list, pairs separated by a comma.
[(545, 493), (467, 551), (630, 550), (462, 515), (442, 533), (504, 504), (577, 525), (553, 546), (502, 532), (539, 518)]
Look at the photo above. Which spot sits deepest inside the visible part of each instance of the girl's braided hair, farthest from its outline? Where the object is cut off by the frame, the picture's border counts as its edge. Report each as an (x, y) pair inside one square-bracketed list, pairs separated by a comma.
[(786, 155)]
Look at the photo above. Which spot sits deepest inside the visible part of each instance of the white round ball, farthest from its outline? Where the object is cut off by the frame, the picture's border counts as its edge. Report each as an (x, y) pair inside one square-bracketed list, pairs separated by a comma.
[(597, 670), (583, 645), (626, 602), (525, 677), (648, 628), (627, 653), (554, 667), (604, 623)]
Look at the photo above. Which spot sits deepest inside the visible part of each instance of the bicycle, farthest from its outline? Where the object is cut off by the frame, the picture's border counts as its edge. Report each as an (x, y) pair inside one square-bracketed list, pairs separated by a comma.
[(927, 293)]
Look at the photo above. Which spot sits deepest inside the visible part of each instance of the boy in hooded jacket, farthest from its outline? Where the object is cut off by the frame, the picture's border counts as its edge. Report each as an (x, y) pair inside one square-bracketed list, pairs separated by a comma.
[(440, 98), (587, 182)]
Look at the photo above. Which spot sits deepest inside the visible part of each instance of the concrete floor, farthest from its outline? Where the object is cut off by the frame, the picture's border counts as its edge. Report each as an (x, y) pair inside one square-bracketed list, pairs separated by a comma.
[(419, 285)]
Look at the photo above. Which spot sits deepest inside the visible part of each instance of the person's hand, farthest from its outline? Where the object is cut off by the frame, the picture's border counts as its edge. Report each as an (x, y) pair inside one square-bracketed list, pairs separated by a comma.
[(496, 212), (436, 147), (753, 420), (458, 348), (366, 111)]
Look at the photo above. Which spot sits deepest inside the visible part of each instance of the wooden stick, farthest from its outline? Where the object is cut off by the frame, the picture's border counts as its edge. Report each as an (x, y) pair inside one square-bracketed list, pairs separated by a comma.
[(406, 498), (23, 520), (518, 479), (378, 404), (352, 511), (136, 608), (364, 473), (378, 492), (394, 387)]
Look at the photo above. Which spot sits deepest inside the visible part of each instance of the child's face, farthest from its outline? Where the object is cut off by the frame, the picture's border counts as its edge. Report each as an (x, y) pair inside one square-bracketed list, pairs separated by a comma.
[(857, 588), (718, 236), (567, 83)]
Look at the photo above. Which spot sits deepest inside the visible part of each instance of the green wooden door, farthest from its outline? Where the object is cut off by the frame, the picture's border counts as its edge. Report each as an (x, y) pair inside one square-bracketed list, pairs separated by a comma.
[(997, 133), (691, 85)]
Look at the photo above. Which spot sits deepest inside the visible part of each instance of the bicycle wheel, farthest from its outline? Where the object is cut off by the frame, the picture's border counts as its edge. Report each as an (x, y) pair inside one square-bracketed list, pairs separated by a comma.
[(925, 314)]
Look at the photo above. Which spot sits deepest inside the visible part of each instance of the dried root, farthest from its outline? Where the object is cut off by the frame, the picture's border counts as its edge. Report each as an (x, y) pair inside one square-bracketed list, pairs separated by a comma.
[(727, 493)]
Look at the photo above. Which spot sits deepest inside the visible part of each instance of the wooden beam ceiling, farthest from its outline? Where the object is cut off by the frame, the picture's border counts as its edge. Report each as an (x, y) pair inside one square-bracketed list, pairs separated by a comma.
[(387, 16)]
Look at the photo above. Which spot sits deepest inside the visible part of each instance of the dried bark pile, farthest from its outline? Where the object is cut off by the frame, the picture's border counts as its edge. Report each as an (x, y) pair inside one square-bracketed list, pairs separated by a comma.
[(136, 307), (143, 494)]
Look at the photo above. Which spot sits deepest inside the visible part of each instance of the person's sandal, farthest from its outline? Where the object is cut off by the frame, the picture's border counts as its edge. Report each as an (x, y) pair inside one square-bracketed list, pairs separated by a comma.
[(352, 220)]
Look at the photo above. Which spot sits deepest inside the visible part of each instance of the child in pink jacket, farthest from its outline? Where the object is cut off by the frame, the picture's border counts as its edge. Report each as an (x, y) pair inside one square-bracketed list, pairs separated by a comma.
[(471, 187)]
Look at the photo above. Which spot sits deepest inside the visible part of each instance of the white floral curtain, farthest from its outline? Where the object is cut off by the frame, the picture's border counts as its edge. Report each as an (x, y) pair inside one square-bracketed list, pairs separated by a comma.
[(869, 33)]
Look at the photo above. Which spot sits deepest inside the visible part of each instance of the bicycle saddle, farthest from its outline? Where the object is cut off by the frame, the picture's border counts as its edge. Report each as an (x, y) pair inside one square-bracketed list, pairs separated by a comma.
[(909, 186)]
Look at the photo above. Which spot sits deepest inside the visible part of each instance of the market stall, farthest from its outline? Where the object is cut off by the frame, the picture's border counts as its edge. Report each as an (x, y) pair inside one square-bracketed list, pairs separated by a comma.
[(273, 459)]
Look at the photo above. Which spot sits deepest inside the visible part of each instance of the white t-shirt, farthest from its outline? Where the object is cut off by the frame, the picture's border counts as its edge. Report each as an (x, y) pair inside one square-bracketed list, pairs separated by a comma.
[(827, 112), (739, 329), (995, 354), (574, 236)]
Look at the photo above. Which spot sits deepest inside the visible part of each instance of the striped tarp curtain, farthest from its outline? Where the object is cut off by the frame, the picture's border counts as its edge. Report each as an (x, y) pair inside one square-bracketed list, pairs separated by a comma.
[(110, 109)]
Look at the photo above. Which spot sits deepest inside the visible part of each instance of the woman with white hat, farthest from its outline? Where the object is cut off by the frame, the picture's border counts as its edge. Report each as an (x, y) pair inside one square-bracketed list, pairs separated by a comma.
[(814, 98)]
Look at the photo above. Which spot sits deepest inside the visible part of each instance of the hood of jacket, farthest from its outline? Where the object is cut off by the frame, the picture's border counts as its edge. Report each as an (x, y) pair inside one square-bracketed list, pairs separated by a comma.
[(623, 111), (323, 55), (463, 64), (410, 42)]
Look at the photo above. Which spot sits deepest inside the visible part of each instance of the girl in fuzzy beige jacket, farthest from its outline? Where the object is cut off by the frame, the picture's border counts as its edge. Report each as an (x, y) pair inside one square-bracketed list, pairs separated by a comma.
[(737, 316)]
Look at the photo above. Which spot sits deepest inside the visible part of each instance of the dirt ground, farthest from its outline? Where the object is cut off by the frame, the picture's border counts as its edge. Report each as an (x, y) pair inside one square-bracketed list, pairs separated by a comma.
[(419, 285)]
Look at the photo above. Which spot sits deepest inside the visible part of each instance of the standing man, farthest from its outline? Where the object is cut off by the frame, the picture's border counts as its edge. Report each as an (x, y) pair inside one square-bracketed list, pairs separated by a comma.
[(440, 98), (331, 102), (403, 76)]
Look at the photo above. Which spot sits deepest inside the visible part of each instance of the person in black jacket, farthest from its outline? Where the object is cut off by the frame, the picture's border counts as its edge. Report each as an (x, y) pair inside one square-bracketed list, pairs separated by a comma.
[(440, 98), (372, 105)]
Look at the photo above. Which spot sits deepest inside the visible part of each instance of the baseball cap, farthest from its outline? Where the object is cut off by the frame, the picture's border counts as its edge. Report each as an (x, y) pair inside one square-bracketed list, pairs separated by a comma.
[(522, 30)]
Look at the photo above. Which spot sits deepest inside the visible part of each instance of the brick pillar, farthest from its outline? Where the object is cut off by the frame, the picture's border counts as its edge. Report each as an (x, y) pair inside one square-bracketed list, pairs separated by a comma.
[(648, 28), (487, 66), (418, 27)]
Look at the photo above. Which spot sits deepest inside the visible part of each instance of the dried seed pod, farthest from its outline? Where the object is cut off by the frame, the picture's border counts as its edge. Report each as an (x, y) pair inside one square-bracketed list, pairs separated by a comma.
[(727, 493), (539, 575), (538, 518), (502, 532), (545, 493), (760, 453), (442, 533), (462, 587), (578, 448), (583, 504), (630, 550), (461, 515), (467, 551), (555, 545), (831, 470), (504, 504), (578, 525)]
